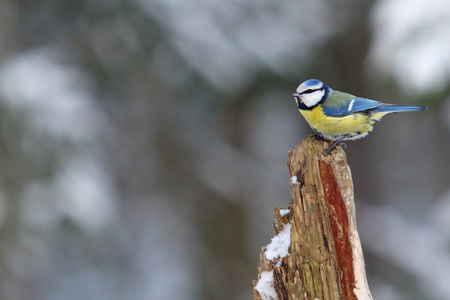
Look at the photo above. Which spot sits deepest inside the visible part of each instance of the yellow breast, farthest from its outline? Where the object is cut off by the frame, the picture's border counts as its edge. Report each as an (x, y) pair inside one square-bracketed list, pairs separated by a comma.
[(354, 124)]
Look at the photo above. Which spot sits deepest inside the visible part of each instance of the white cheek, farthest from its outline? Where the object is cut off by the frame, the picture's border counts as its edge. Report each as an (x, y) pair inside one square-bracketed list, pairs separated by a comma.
[(312, 99)]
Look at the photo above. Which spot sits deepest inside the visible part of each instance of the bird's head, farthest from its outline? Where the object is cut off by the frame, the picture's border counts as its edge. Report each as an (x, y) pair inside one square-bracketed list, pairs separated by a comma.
[(310, 93)]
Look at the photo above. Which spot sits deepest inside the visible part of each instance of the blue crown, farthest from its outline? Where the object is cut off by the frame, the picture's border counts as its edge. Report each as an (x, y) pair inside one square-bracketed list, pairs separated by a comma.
[(312, 82)]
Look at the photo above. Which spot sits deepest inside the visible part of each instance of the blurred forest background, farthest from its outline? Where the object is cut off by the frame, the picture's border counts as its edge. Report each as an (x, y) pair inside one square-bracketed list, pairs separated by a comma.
[(143, 143)]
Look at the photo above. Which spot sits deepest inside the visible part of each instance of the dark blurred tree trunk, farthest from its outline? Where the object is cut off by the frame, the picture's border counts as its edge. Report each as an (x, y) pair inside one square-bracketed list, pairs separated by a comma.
[(325, 259)]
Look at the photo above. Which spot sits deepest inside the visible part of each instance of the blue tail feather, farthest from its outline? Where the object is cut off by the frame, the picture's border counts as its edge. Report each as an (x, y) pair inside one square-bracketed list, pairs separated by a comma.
[(398, 108)]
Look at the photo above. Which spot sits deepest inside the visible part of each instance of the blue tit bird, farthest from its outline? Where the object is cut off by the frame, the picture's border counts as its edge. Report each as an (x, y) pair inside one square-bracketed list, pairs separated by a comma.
[(336, 116)]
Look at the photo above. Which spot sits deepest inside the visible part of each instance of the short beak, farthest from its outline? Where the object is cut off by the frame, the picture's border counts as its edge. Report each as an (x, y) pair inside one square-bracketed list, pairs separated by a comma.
[(296, 94)]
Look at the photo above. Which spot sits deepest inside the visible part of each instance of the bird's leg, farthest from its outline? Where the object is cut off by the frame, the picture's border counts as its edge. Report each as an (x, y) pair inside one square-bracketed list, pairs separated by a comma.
[(339, 142), (317, 135), (327, 150)]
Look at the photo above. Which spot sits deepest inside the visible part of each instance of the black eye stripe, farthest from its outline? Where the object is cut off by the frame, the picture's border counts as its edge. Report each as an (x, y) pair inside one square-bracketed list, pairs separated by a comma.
[(309, 91)]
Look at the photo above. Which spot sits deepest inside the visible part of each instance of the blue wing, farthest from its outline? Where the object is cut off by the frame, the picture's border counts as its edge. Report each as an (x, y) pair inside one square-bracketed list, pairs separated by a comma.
[(351, 106)]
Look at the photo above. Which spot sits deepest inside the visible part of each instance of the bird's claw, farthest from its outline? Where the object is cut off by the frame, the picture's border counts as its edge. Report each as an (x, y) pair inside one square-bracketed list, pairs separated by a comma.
[(327, 150)]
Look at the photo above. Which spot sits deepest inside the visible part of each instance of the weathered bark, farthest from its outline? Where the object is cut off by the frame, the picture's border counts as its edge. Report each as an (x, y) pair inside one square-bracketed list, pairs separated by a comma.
[(325, 258)]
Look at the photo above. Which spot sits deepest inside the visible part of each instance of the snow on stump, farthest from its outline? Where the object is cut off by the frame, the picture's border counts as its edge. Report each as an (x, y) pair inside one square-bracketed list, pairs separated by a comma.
[(316, 253)]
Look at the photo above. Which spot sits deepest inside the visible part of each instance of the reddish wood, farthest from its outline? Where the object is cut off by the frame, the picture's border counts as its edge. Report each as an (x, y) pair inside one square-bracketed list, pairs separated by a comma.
[(339, 221)]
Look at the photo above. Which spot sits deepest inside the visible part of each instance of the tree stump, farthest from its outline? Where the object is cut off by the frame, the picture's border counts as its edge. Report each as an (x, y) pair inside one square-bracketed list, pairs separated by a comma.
[(316, 253)]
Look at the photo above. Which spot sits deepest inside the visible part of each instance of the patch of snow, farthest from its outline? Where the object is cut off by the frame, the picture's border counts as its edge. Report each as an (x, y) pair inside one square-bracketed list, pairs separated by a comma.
[(294, 179), (279, 246), (265, 286), (284, 212)]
